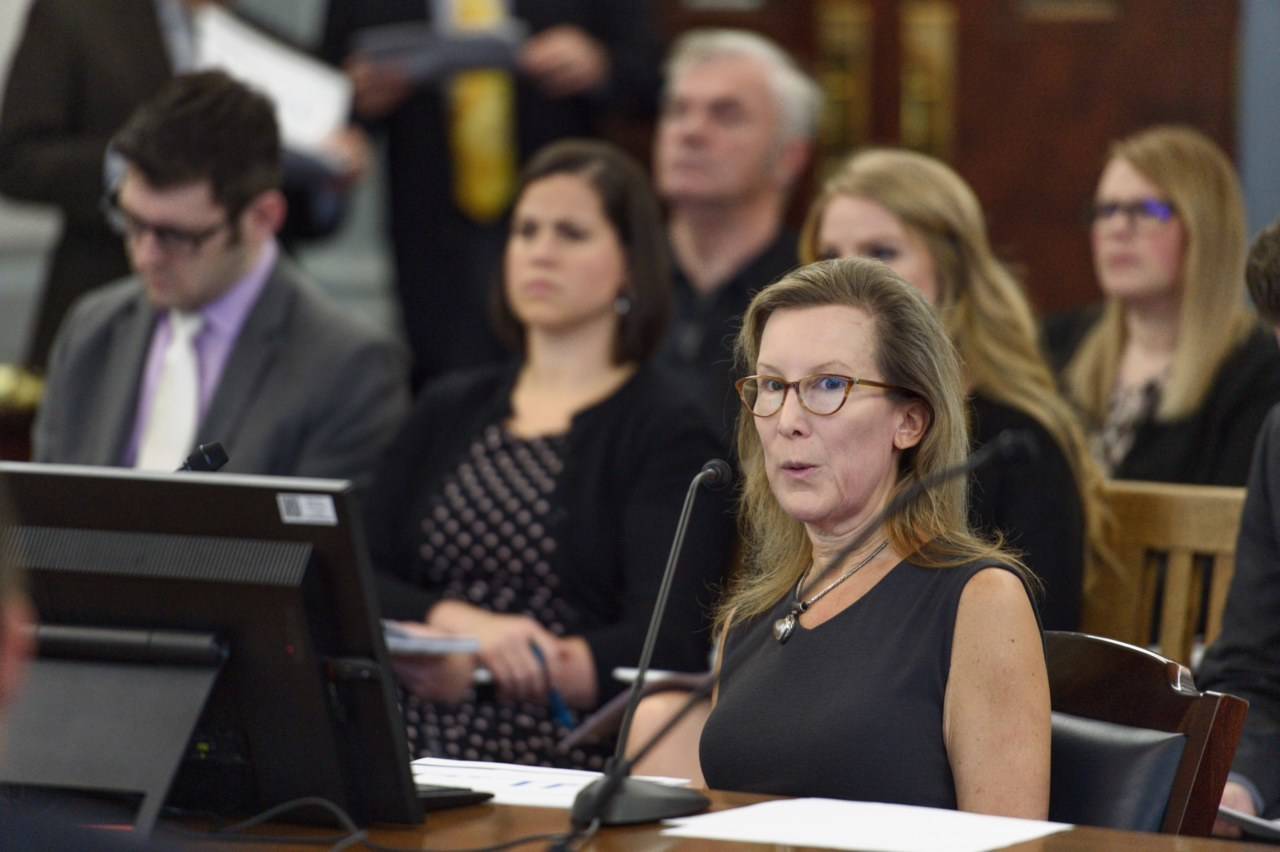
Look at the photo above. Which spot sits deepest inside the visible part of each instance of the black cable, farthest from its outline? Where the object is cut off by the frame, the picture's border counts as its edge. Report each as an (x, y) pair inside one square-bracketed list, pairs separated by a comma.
[(234, 833), (357, 836)]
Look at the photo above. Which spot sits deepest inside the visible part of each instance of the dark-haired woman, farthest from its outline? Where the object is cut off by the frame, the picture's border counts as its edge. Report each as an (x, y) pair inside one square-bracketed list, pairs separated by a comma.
[(532, 506)]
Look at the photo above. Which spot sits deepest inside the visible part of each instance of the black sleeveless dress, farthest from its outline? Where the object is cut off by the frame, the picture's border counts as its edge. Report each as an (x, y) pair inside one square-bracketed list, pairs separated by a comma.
[(851, 709)]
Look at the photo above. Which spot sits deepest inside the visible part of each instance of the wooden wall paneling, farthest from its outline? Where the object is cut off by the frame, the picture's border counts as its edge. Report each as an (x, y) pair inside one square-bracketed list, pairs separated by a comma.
[(1041, 92)]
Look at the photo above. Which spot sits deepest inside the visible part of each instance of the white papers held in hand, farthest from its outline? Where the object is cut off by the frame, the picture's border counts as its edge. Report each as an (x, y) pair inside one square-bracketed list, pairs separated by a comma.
[(312, 100), (419, 640)]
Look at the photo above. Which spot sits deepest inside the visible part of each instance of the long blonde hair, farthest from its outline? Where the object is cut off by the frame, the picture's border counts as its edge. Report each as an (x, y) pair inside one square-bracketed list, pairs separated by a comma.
[(981, 304), (1213, 318), (912, 351)]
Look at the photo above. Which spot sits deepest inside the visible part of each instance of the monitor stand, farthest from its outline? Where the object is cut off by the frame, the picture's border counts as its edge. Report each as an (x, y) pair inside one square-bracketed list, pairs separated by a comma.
[(110, 711)]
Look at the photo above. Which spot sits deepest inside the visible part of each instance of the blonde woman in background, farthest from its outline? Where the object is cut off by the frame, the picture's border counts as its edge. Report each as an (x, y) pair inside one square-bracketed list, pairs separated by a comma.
[(918, 216), (1176, 376)]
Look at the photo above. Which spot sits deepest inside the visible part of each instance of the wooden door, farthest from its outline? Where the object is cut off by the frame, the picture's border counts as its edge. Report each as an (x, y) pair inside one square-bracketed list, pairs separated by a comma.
[(1021, 96)]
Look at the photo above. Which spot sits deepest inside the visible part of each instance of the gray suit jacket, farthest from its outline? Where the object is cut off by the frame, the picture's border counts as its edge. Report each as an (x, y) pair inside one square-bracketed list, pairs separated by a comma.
[(306, 391)]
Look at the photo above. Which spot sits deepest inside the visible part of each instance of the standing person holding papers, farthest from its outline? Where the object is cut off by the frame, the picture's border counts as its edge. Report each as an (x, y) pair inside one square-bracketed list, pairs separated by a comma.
[(531, 506), (455, 141)]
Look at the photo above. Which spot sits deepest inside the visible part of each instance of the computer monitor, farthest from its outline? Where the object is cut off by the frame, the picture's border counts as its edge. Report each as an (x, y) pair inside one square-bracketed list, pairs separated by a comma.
[(217, 627)]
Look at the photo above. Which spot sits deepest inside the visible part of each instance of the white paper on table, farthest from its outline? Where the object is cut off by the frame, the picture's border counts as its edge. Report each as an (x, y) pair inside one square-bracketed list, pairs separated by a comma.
[(312, 100), (512, 784), (872, 826)]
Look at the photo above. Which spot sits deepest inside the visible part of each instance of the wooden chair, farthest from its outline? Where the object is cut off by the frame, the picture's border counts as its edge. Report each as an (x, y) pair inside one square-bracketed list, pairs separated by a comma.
[(1135, 745), (1169, 542)]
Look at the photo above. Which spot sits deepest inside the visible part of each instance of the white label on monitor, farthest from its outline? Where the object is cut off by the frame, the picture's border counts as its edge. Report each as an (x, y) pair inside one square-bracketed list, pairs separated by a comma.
[(314, 509)]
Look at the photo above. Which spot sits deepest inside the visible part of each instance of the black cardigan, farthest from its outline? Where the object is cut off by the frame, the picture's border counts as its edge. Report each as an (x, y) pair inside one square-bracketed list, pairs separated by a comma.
[(1035, 503), (627, 465), (1213, 445)]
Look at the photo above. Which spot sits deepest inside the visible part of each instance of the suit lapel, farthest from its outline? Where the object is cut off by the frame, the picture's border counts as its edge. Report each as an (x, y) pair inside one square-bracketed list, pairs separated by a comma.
[(252, 354), (121, 383)]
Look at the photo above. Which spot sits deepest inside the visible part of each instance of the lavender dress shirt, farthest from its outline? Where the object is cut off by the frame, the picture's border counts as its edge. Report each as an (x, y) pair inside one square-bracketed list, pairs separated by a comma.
[(223, 319)]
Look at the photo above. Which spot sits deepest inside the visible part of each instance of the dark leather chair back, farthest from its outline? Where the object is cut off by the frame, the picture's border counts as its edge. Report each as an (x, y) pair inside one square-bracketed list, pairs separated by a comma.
[(1135, 745), (1113, 776)]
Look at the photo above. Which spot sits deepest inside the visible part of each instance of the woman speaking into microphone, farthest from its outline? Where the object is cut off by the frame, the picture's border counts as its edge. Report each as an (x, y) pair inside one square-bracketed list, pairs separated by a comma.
[(911, 671)]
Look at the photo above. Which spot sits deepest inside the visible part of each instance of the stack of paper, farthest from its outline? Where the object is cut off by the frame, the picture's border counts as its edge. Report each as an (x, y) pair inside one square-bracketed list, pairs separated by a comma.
[(836, 824), (511, 784)]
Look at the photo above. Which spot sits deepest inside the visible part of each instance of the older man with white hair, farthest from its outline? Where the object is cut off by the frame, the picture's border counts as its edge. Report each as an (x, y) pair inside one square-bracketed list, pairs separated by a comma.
[(736, 131)]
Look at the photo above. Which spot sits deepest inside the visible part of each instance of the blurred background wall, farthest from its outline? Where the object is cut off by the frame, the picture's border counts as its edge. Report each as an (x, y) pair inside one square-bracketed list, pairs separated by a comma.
[(1021, 96)]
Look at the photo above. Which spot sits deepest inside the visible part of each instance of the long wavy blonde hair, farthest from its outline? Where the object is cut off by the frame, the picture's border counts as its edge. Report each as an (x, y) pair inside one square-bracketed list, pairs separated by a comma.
[(1213, 317), (980, 301), (912, 351)]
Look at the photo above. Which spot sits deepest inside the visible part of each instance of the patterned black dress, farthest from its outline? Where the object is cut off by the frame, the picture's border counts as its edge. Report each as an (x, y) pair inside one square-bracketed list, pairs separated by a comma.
[(486, 541)]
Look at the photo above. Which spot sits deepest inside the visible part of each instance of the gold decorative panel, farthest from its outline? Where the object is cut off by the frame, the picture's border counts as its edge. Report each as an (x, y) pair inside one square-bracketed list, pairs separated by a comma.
[(927, 119), (843, 69)]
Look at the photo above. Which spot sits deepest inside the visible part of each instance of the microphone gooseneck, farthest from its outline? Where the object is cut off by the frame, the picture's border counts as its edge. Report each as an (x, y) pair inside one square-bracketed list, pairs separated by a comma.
[(609, 800), (1007, 446)]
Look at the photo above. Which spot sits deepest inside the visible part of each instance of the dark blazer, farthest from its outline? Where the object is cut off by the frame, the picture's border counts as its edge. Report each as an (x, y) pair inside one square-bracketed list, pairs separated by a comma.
[(78, 72), (1211, 446), (306, 391), (627, 464), (1245, 660)]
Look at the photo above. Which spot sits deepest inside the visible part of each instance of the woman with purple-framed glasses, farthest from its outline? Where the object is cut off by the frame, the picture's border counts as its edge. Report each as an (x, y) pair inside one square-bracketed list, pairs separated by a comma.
[(1176, 375)]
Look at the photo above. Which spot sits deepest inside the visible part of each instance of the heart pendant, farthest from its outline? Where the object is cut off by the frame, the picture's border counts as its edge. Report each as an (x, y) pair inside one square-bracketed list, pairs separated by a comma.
[(784, 627)]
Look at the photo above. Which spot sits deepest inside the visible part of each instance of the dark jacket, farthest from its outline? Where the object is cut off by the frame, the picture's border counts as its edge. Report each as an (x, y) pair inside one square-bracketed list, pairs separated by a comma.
[(1035, 503), (1212, 446), (1245, 660), (80, 69), (627, 465)]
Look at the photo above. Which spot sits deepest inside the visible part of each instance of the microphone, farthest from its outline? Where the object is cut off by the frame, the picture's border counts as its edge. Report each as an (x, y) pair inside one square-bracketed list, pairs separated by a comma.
[(207, 457), (1008, 445), (716, 474), (617, 799), (618, 787)]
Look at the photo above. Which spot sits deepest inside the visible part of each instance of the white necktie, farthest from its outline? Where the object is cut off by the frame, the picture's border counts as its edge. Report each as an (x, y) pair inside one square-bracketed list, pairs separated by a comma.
[(171, 423)]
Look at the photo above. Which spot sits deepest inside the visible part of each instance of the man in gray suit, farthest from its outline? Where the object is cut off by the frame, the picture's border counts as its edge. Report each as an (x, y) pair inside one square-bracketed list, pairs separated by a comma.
[(217, 337)]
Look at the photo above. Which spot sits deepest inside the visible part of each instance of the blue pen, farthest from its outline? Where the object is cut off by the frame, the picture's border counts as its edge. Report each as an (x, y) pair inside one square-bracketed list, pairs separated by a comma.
[(560, 712)]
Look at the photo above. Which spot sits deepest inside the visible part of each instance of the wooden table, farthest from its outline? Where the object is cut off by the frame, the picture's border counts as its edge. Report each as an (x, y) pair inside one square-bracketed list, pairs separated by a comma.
[(484, 825)]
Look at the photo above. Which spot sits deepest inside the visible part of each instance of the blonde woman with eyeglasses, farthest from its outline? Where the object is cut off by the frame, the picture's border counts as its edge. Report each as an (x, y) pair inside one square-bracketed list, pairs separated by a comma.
[(1176, 376), (911, 671)]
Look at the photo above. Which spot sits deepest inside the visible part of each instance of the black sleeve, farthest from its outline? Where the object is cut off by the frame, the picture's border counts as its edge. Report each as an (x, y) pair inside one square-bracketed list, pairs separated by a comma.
[(389, 506), (1251, 393), (630, 35), (44, 156), (661, 469), (1245, 660), (341, 20), (1036, 504)]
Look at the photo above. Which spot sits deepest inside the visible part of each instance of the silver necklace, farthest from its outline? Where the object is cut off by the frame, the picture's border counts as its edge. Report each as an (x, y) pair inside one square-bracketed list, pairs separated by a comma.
[(785, 626)]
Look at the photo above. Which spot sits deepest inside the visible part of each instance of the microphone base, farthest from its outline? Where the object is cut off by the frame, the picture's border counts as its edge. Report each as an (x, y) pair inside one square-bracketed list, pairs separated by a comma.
[(635, 801)]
